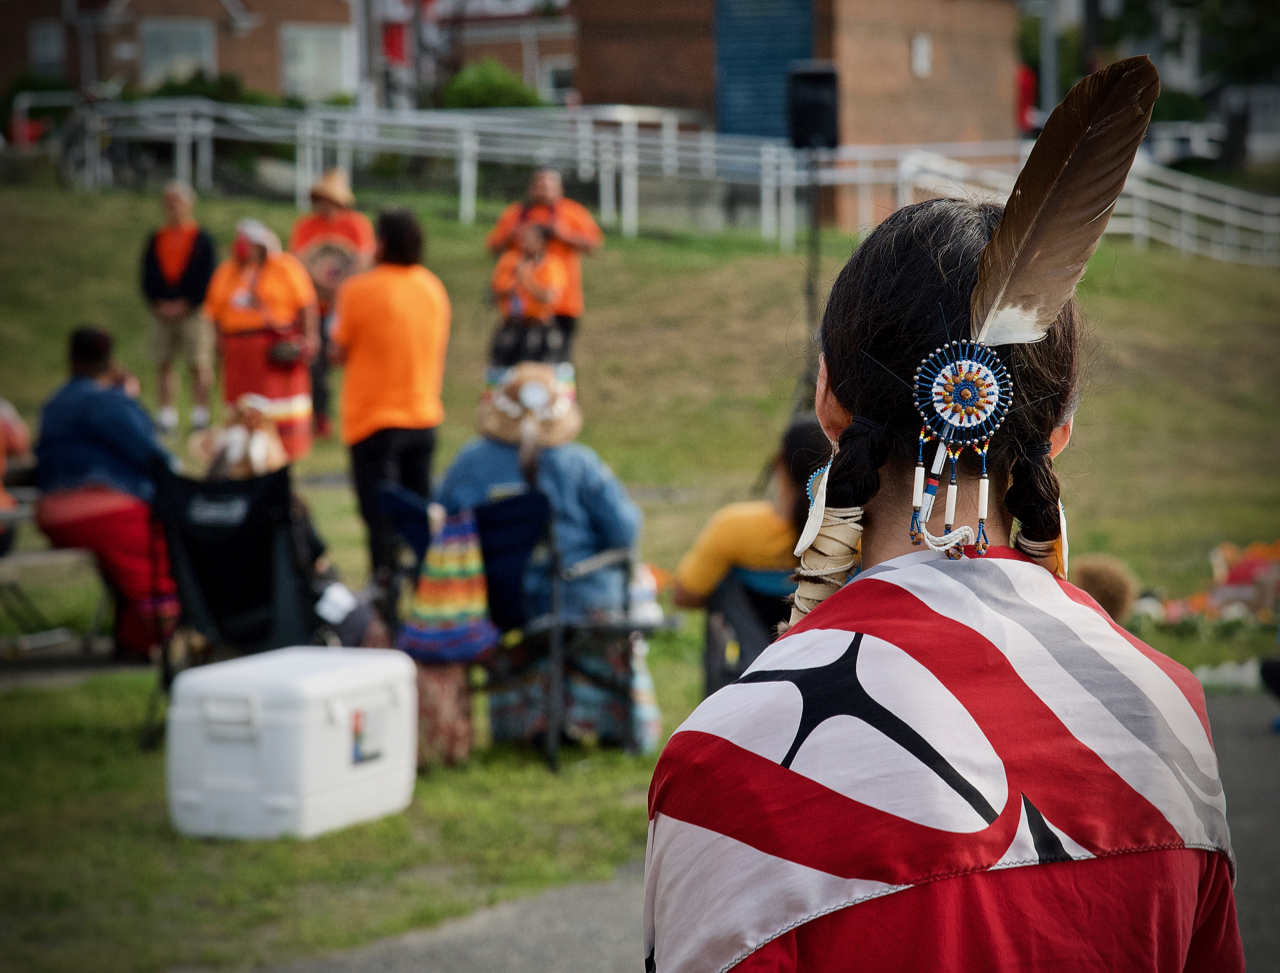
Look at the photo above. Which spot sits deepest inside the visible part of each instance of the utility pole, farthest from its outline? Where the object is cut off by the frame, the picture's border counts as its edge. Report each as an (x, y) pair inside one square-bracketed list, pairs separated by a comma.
[(1048, 56)]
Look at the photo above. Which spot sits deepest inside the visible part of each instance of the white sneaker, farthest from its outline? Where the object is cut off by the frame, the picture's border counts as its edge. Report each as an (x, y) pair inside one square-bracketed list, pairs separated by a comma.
[(168, 419), (200, 417)]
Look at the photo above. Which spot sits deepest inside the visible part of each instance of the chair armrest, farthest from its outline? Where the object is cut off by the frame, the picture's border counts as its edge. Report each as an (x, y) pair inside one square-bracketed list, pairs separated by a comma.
[(597, 562)]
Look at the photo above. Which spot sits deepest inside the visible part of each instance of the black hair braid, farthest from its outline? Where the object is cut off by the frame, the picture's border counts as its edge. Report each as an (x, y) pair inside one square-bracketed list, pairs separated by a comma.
[(1033, 496), (855, 470)]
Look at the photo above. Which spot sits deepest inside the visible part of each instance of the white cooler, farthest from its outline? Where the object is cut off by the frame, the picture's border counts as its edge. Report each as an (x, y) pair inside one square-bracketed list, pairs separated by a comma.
[(292, 742)]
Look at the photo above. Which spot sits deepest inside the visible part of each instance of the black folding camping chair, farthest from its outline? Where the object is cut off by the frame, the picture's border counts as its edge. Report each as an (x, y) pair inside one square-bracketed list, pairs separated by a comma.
[(234, 556), (511, 531), (740, 625)]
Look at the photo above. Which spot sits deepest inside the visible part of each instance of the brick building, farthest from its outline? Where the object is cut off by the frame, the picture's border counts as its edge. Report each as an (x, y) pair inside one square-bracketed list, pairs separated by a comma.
[(297, 47), (910, 70)]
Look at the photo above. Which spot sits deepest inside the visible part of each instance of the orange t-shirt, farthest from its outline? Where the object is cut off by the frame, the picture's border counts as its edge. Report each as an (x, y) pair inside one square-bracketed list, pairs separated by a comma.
[(332, 250), (393, 323), (570, 216), (243, 299), (173, 250), (514, 299)]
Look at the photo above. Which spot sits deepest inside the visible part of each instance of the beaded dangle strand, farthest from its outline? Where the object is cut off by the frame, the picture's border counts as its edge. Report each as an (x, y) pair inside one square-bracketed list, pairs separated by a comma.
[(922, 495), (981, 543)]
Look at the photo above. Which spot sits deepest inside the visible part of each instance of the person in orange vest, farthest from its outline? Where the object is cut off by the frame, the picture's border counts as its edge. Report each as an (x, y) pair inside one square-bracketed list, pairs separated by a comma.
[(264, 306), (571, 233), (177, 264), (333, 241), (528, 283)]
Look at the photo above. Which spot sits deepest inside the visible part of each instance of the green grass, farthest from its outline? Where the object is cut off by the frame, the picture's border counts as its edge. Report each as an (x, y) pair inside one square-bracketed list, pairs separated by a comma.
[(95, 879), (687, 361)]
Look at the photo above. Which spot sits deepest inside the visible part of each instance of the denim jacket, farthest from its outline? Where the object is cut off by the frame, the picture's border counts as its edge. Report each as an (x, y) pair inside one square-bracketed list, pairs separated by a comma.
[(95, 435), (592, 513)]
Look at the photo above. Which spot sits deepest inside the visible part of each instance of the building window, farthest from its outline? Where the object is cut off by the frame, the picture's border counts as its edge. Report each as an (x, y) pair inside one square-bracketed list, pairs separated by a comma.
[(48, 49), (921, 55), (175, 48), (317, 61), (555, 78)]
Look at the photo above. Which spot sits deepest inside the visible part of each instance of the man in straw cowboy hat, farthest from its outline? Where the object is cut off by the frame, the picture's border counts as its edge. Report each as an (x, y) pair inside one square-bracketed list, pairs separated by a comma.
[(333, 241), (527, 428)]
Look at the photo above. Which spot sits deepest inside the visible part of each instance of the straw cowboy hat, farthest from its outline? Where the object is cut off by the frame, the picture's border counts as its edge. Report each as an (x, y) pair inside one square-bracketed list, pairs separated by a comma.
[(335, 187), (255, 231), (533, 407)]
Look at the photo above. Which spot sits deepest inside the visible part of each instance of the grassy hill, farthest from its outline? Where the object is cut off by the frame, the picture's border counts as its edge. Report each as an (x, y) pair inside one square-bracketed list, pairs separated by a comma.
[(686, 365)]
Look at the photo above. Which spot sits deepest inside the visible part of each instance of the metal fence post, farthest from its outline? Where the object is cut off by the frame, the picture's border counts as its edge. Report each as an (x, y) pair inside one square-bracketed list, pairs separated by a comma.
[(346, 135), (468, 175), (768, 192), (630, 179), (787, 201), (92, 127), (586, 167), (906, 192), (1186, 239), (1138, 201), (707, 155), (608, 181), (670, 145), (866, 201), (204, 154), (1271, 232), (301, 180), (182, 148)]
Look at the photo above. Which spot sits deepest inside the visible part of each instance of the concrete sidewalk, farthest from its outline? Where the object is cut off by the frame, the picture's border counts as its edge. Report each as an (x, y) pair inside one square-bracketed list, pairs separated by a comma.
[(596, 928), (590, 928)]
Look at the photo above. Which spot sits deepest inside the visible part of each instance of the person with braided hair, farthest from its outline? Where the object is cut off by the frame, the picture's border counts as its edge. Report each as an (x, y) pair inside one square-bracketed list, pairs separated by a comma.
[(955, 761)]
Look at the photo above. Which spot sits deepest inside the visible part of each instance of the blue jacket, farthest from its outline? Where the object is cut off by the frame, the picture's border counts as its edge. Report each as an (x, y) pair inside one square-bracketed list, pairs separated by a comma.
[(592, 513), (95, 435)]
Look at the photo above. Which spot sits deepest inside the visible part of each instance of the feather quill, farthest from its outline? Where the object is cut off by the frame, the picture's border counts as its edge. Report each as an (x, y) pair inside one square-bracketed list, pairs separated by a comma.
[(1061, 203)]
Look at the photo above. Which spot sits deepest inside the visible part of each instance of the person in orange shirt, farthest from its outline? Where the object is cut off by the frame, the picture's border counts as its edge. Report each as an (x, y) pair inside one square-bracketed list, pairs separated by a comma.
[(264, 307), (333, 242), (177, 263), (391, 330), (572, 233), (528, 283)]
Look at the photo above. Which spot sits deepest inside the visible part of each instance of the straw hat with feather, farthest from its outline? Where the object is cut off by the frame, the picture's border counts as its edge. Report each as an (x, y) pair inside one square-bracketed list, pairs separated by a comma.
[(532, 408), (335, 187)]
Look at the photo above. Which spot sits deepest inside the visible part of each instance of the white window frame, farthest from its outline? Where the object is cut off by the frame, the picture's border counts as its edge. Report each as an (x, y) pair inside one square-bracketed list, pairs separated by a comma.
[(349, 68), (53, 26), (206, 24), (554, 62)]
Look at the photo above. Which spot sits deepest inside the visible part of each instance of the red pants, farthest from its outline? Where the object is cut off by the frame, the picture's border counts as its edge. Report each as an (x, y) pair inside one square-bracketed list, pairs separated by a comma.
[(135, 563)]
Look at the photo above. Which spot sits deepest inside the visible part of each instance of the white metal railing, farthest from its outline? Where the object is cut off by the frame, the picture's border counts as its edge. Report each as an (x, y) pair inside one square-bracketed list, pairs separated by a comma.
[(616, 145)]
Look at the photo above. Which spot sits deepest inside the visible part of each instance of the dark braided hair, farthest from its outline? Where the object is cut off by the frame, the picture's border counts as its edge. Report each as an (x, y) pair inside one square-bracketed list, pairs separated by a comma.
[(904, 293)]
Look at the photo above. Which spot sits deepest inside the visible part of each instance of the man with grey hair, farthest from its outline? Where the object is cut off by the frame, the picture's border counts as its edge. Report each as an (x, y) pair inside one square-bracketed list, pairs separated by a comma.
[(177, 263)]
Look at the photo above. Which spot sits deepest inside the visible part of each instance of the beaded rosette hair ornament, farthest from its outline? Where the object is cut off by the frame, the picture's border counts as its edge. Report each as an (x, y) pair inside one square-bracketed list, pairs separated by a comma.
[(962, 392), (1027, 272)]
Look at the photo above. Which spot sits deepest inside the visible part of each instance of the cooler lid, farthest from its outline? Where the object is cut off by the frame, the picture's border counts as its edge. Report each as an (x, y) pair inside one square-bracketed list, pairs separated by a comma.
[(286, 677)]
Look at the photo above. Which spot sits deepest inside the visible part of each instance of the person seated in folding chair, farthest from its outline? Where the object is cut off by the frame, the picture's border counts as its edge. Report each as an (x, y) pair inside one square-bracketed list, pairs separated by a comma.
[(527, 430), (741, 566), (248, 445), (97, 452)]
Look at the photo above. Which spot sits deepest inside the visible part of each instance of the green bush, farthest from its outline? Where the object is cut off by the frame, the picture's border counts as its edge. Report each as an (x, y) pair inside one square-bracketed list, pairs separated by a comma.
[(1179, 106), (30, 81), (225, 87), (488, 85)]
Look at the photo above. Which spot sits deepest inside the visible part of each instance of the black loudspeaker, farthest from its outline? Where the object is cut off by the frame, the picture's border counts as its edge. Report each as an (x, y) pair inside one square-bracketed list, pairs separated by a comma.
[(812, 89)]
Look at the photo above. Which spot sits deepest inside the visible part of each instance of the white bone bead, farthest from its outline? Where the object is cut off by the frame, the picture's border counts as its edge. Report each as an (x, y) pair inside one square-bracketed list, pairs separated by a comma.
[(984, 491), (918, 492), (952, 490)]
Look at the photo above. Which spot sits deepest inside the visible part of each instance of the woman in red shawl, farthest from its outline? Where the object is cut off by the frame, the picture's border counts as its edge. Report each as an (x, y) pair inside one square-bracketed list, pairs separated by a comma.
[(264, 306)]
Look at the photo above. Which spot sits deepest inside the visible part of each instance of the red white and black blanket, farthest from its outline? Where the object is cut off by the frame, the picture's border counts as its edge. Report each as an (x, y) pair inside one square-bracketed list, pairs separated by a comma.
[(933, 719)]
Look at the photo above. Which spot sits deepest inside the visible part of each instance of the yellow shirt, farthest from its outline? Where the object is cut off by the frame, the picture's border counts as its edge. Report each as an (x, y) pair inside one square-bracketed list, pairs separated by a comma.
[(393, 322), (747, 535)]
